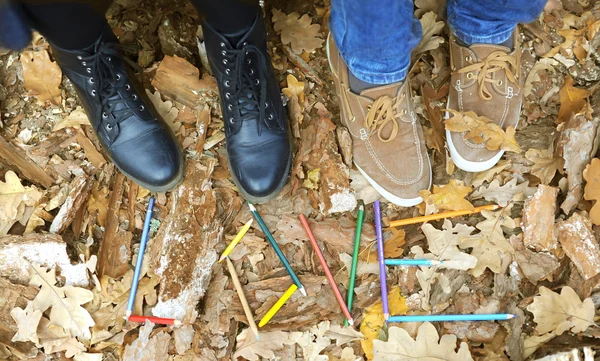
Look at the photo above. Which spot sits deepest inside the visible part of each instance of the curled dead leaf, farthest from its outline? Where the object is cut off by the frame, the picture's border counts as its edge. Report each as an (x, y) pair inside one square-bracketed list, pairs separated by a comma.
[(297, 31)]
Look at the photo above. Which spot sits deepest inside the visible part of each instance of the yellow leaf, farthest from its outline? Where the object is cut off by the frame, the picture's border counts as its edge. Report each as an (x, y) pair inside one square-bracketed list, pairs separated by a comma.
[(572, 100), (16, 202), (41, 77), (294, 87), (98, 202), (297, 31), (449, 197), (373, 322), (592, 188), (392, 248), (480, 129), (312, 179)]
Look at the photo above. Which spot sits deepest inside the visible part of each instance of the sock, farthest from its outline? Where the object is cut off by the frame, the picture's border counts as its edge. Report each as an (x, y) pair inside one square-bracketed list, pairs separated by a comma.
[(509, 43), (357, 85), (228, 16)]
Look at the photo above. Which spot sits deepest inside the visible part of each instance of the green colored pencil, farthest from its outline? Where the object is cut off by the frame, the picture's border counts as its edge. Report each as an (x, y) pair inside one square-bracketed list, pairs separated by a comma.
[(273, 243), (359, 222)]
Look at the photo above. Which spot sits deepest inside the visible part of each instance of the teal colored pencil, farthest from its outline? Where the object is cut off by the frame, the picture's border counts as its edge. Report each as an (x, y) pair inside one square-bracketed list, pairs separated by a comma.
[(412, 262), (447, 318), (357, 234), (273, 243)]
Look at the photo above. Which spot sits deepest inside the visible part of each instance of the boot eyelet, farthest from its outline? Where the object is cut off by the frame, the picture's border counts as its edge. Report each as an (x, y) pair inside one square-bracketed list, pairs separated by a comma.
[(127, 87), (266, 105), (245, 43), (225, 61), (223, 53), (79, 57), (118, 77), (404, 112), (93, 93), (89, 70), (134, 97), (257, 82), (270, 117), (104, 115), (227, 83), (230, 107), (91, 80), (222, 44), (469, 75), (83, 63), (500, 82), (249, 61), (227, 95), (403, 95), (251, 71), (109, 58), (231, 120), (227, 71), (109, 127), (246, 53), (142, 108), (468, 59)]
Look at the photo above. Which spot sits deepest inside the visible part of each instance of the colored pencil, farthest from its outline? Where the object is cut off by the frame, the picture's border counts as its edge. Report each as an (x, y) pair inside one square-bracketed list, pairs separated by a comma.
[(447, 318), (240, 291), (332, 283), (273, 243), (412, 262), (156, 320), (433, 217), (381, 260), (277, 306), (140, 259), (238, 237), (357, 235)]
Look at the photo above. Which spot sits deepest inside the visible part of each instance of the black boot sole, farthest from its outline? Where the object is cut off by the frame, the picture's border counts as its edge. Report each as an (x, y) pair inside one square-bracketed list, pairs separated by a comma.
[(265, 199)]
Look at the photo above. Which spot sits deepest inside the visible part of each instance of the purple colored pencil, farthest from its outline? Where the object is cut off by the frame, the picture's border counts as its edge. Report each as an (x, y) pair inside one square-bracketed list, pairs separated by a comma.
[(381, 260)]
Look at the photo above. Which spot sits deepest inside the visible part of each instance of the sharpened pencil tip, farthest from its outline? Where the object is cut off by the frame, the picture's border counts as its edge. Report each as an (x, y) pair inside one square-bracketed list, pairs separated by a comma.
[(303, 291), (511, 316), (386, 316), (127, 314), (351, 322), (252, 208), (257, 337), (177, 323), (221, 259), (436, 263)]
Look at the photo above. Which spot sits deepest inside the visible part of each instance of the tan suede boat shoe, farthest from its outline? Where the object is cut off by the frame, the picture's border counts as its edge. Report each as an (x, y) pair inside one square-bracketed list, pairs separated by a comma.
[(485, 79), (387, 138)]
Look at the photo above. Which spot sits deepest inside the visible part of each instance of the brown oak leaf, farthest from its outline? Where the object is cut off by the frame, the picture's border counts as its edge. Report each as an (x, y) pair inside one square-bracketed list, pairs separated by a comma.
[(297, 31), (41, 76), (480, 129)]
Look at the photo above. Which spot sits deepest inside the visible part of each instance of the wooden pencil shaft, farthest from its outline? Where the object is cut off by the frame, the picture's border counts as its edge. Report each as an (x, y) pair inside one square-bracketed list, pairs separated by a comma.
[(277, 306), (243, 300), (332, 283), (357, 236), (278, 251), (433, 217), (238, 237)]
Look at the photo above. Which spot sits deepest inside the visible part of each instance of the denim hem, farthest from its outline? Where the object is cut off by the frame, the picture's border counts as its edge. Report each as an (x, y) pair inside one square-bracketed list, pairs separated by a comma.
[(489, 39), (381, 79)]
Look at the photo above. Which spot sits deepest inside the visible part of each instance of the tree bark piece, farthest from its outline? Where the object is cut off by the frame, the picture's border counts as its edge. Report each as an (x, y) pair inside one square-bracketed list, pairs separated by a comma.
[(577, 240), (12, 296), (180, 80), (48, 250), (183, 252), (115, 250), (79, 193), (538, 220), (16, 158)]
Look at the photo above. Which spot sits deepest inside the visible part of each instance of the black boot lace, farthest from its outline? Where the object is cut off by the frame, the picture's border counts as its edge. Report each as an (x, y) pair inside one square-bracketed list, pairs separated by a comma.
[(246, 95), (106, 77)]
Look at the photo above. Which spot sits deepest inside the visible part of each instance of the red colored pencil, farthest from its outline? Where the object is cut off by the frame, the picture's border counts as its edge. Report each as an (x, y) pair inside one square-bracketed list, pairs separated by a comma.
[(156, 320), (330, 278)]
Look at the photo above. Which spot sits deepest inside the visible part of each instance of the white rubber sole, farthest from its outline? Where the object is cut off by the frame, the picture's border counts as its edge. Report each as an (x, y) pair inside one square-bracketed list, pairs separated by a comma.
[(402, 202), (468, 165)]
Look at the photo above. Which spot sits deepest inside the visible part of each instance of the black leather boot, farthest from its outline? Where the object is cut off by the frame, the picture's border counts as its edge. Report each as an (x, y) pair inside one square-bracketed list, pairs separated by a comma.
[(136, 139), (256, 127)]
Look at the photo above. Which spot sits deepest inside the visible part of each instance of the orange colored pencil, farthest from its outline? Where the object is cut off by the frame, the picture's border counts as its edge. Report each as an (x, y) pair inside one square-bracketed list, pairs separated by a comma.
[(332, 283), (433, 217), (156, 320)]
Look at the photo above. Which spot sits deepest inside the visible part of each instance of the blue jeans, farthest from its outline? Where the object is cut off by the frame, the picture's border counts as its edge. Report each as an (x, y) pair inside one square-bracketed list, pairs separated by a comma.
[(375, 37)]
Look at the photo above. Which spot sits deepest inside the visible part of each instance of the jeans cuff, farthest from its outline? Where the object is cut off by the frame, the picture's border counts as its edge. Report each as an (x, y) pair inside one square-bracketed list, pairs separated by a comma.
[(381, 79), (488, 39)]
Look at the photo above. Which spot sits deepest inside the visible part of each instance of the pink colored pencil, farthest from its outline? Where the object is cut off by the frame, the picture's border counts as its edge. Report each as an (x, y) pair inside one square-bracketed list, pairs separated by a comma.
[(330, 278), (156, 320)]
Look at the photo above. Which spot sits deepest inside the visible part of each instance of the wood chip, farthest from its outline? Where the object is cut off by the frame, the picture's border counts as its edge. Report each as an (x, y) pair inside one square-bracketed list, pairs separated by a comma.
[(577, 240), (538, 219), (17, 159), (79, 193), (92, 154)]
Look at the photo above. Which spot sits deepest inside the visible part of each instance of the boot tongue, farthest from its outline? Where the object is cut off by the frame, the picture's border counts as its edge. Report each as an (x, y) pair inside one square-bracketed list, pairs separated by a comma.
[(482, 51), (389, 89)]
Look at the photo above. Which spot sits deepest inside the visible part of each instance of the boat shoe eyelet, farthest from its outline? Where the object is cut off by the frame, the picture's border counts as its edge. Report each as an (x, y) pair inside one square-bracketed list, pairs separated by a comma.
[(468, 58), (404, 112), (469, 75), (500, 82)]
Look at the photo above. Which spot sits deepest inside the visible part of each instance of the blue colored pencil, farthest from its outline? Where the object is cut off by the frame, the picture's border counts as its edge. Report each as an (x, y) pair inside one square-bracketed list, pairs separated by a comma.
[(412, 262), (446, 318), (140, 259)]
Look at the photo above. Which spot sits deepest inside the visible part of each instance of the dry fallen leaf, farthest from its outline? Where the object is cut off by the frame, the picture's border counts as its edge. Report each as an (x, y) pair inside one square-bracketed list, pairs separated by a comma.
[(502, 195), (320, 336), (572, 99), (545, 165), (148, 348), (98, 203), (444, 244), (449, 197), (251, 349), (559, 313), (27, 322), (373, 321), (480, 129), (431, 29), (165, 109), (297, 31), (592, 188), (76, 119), (41, 77), (426, 346), (488, 175), (16, 202)]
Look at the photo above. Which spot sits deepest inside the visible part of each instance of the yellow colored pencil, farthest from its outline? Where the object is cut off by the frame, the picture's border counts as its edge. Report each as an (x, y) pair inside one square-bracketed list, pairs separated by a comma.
[(433, 217), (277, 306), (243, 300), (238, 237)]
